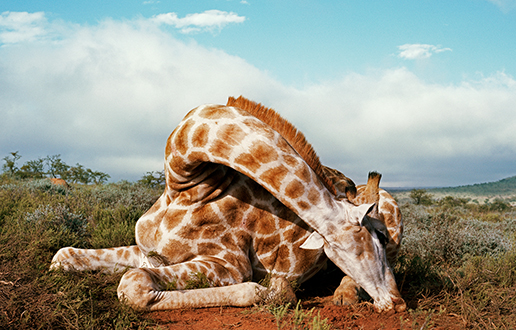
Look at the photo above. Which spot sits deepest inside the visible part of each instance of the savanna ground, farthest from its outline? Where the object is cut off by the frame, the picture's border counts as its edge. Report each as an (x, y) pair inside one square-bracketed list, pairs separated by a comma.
[(456, 268)]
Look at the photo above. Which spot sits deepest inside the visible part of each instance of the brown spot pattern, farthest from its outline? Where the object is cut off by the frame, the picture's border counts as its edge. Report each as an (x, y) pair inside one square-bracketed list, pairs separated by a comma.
[(212, 232), (313, 196), (303, 173), (283, 261), (293, 234), (266, 224), (231, 134), (181, 139), (290, 161), (198, 156), (176, 252), (303, 205), (263, 152), (274, 176), (259, 127), (216, 112), (172, 218), (248, 161), (209, 248), (294, 189), (200, 136), (221, 149)]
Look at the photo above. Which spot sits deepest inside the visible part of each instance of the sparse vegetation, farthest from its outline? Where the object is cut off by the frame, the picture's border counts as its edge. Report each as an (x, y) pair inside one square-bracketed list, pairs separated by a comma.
[(297, 318), (36, 219), (455, 259), (458, 258), (505, 186)]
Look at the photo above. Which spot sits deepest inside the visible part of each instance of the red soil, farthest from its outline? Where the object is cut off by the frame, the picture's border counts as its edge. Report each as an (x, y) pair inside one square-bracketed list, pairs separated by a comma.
[(316, 294)]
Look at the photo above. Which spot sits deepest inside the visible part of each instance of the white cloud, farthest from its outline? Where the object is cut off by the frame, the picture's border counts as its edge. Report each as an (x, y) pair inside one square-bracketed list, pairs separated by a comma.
[(504, 5), (208, 20), (21, 26), (108, 96), (419, 51)]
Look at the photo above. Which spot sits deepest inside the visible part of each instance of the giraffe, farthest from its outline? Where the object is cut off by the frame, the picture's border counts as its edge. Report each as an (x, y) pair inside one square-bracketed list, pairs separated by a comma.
[(385, 216), (246, 197)]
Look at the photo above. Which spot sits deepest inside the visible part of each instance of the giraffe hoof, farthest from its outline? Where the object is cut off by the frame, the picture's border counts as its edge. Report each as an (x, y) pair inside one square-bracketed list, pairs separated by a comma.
[(346, 293)]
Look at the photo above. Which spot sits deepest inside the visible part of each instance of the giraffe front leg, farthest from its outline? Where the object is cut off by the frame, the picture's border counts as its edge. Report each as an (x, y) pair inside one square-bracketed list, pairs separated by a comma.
[(107, 260), (164, 288)]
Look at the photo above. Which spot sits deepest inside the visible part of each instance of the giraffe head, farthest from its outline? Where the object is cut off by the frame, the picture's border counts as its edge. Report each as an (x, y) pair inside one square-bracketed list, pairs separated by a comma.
[(356, 243)]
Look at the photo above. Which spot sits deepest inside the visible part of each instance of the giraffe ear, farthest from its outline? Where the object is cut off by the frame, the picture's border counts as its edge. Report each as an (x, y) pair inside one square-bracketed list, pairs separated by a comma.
[(358, 213), (314, 242)]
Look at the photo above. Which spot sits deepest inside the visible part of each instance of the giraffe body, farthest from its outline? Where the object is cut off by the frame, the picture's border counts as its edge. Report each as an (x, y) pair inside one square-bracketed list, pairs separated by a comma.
[(240, 203)]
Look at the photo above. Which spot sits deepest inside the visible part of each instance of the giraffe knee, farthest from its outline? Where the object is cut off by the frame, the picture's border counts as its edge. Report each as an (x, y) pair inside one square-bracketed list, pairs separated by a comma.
[(63, 259), (137, 289), (280, 291)]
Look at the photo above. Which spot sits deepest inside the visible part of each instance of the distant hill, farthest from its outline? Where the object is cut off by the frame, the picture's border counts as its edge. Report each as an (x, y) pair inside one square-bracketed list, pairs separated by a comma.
[(503, 187)]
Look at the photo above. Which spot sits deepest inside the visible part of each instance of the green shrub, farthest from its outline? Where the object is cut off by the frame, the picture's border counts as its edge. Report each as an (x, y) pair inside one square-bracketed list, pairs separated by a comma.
[(453, 260), (421, 197), (37, 219), (445, 238)]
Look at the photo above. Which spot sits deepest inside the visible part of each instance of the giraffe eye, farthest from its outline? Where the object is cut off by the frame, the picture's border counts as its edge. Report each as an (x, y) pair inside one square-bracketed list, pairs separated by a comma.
[(378, 227), (382, 237)]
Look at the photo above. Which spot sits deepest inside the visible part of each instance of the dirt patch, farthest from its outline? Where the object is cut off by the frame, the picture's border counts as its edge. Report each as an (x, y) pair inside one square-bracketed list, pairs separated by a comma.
[(315, 296), (357, 317)]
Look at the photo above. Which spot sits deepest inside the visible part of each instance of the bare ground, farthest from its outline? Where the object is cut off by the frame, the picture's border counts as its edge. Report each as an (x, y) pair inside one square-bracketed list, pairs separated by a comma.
[(315, 294), (357, 317)]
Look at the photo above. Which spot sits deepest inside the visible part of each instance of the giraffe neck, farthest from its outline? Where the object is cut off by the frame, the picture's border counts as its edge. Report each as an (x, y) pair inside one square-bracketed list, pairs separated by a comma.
[(234, 138)]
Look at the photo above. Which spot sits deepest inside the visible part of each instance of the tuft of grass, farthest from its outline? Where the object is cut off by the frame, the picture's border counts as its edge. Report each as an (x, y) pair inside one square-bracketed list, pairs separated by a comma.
[(198, 280), (297, 318), (279, 313)]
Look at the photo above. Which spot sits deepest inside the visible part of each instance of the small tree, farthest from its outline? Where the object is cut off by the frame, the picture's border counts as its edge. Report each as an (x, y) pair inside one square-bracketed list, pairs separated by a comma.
[(79, 173), (56, 167), (421, 197), (153, 179), (33, 169), (10, 163), (98, 177)]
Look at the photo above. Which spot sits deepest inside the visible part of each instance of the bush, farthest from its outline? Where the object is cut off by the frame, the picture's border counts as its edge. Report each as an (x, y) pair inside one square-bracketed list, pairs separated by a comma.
[(445, 238), (421, 197), (452, 260), (38, 218)]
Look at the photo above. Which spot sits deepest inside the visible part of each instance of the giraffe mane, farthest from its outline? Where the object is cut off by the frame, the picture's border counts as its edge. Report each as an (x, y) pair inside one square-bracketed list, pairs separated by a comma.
[(294, 137)]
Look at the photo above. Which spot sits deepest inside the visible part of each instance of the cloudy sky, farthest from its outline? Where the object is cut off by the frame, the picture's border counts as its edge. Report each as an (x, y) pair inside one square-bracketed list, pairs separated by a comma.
[(421, 91)]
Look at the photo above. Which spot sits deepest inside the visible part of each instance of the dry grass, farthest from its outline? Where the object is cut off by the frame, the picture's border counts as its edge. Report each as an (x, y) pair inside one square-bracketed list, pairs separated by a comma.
[(455, 260)]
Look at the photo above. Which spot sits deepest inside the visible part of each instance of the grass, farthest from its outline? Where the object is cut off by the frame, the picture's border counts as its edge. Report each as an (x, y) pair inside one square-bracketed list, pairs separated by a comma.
[(297, 318), (453, 260), (457, 258), (36, 219)]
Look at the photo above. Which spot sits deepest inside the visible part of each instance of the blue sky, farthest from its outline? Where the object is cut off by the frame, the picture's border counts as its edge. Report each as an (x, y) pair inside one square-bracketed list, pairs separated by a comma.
[(421, 91)]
